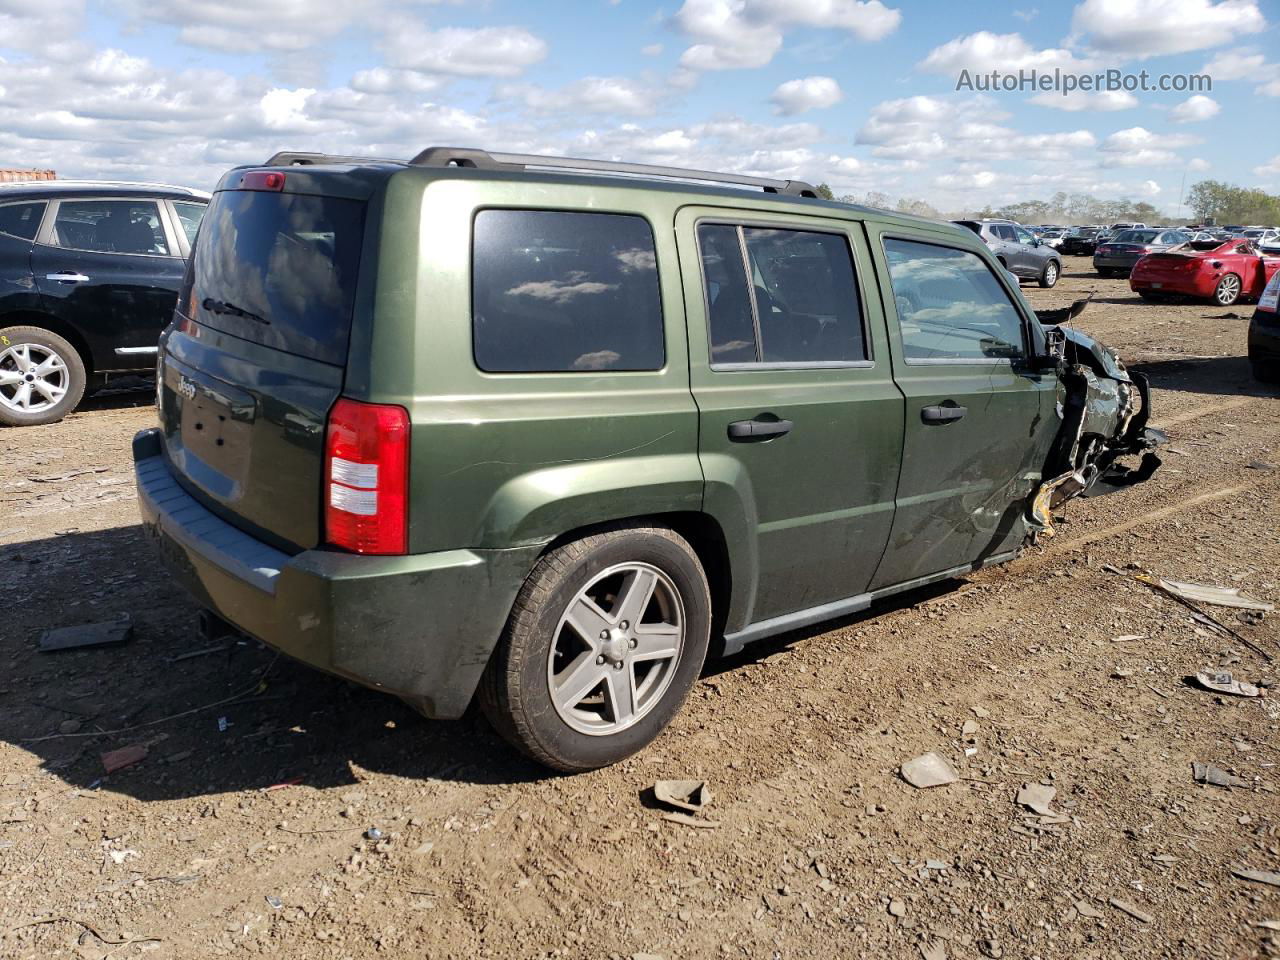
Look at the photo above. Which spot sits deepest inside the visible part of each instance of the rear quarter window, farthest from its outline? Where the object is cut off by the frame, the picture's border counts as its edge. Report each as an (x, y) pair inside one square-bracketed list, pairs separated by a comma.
[(21, 220), (562, 292)]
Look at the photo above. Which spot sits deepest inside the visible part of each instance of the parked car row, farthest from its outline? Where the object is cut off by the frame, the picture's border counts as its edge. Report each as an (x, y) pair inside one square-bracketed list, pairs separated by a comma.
[(89, 273)]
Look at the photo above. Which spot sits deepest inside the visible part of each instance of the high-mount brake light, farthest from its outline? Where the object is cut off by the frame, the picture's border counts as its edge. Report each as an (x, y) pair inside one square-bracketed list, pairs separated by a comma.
[(262, 180), (367, 477)]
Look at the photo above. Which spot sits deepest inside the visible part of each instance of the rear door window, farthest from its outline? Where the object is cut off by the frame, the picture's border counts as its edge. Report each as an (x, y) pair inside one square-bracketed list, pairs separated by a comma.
[(111, 226), (950, 305), (21, 220), (561, 292), (189, 215), (780, 296), (279, 269)]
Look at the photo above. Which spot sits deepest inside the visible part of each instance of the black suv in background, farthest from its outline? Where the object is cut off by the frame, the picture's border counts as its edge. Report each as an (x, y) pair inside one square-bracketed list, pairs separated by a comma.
[(89, 275), (1019, 251)]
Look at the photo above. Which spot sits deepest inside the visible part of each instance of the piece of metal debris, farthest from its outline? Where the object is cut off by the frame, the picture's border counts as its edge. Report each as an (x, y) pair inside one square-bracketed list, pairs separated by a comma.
[(107, 633), (1259, 876), (1217, 596), (1037, 797), (1208, 773), (687, 795), (1222, 681), (929, 770), (1124, 906)]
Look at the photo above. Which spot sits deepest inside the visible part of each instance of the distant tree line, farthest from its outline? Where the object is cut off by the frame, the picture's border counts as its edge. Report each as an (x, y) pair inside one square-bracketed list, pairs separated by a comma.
[(1223, 202), (1227, 203)]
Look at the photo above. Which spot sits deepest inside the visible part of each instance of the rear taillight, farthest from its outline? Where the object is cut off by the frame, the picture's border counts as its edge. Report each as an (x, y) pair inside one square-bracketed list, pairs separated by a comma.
[(367, 477), (262, 180)]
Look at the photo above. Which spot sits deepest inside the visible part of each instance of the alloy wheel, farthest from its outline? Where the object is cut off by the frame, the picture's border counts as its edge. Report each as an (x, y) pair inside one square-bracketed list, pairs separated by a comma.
[(33, 378), (1228, 290), (616, 649)]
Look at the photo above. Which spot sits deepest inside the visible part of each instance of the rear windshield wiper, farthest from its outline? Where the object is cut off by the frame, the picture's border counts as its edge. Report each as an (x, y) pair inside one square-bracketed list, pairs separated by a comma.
[(224, 306)]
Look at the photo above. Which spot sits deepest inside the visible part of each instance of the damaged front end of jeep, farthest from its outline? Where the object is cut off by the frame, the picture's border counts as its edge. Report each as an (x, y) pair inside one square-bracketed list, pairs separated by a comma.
[(1104, 410)]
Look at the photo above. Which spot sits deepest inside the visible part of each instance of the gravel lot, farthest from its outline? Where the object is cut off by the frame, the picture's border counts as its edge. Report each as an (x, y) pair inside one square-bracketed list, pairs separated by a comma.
[(1065, 671)]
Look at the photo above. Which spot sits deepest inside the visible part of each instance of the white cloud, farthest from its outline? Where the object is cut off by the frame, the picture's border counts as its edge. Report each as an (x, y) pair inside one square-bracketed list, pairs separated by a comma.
[(1269, 169), (1149, 188), (462, 51), (1139, 138), (1077, 100), (1026, 16), (613, 95), (1196, 109), (652, 50), (737, 34), (808, 93), (1245, 63), (1198, 164), (983, 52), (966, 181), (1148, 28)]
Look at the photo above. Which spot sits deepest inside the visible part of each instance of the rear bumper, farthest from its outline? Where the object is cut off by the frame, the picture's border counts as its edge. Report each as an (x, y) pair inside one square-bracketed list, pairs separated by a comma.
[(421, 626), (1114, 262)]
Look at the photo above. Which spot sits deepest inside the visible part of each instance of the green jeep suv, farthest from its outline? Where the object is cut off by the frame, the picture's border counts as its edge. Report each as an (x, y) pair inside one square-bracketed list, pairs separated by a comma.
[(548, 431)]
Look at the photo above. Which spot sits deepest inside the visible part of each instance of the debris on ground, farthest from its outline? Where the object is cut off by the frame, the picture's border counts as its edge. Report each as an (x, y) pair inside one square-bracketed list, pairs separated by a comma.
[(691, 796), (690, 821), (1037, 797), (933, 950), (929, 770), (1208, 773), (1216, 596), (114, 760), (1259, 876), (1088, 910), (105, 633), (1223, 682), (897, 909), (1124, 906)]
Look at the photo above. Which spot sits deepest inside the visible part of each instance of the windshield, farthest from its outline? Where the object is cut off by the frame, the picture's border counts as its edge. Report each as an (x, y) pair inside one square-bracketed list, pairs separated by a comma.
[(279, 269), (1136, 236)]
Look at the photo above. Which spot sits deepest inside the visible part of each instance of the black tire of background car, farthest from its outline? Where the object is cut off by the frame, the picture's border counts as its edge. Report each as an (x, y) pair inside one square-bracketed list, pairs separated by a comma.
[(1045, 279), (514, 693), (1265, 371), (11, 336)]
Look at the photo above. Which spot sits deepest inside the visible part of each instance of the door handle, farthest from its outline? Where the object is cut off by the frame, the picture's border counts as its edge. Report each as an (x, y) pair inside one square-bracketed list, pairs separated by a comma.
[(943, 413), (743, 430), (67, 276)]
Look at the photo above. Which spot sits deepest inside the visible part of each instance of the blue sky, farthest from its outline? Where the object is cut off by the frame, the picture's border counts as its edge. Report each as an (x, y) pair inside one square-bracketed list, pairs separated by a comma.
[(860, 94)]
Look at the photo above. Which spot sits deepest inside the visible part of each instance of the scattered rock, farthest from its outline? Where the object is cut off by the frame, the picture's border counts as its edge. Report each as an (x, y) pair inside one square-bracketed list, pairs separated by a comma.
[(69, 726), (108, 633), (1088, 910), (970, 728), (897, 909), (114, 760), (929, 770)]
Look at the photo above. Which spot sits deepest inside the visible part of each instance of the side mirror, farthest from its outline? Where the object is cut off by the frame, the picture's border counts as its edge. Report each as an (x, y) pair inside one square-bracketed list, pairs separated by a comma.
[(1036, 242), (1055, 347)]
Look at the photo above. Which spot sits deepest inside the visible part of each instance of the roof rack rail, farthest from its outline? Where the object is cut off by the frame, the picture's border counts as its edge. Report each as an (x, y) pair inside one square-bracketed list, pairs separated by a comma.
[(292, 158), (485, 160)]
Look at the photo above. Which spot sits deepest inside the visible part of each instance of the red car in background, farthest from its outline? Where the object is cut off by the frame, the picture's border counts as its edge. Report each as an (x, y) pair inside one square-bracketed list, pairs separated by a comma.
[(1222, 274)]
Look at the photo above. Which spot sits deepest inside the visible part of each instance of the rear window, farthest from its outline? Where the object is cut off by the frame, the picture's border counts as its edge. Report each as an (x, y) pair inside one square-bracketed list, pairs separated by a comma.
[(21, 219), (280, 269), (1136, 236), (559, 292)]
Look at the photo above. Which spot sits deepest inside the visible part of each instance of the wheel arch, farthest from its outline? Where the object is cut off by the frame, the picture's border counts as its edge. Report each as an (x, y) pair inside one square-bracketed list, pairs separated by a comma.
[(31, 318)]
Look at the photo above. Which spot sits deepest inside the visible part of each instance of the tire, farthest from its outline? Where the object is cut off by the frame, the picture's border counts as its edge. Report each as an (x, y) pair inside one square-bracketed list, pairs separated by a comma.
[(28, 399), (539, 647), (1049, 276), (1227, 291), (1264, 371)]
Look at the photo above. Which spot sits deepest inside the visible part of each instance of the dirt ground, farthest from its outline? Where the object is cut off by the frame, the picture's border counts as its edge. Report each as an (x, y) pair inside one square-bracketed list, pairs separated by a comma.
[(1058, 668)]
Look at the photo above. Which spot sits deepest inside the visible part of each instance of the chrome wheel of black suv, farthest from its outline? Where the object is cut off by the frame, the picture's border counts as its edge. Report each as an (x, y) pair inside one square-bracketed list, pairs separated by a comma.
[(42, 377)]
